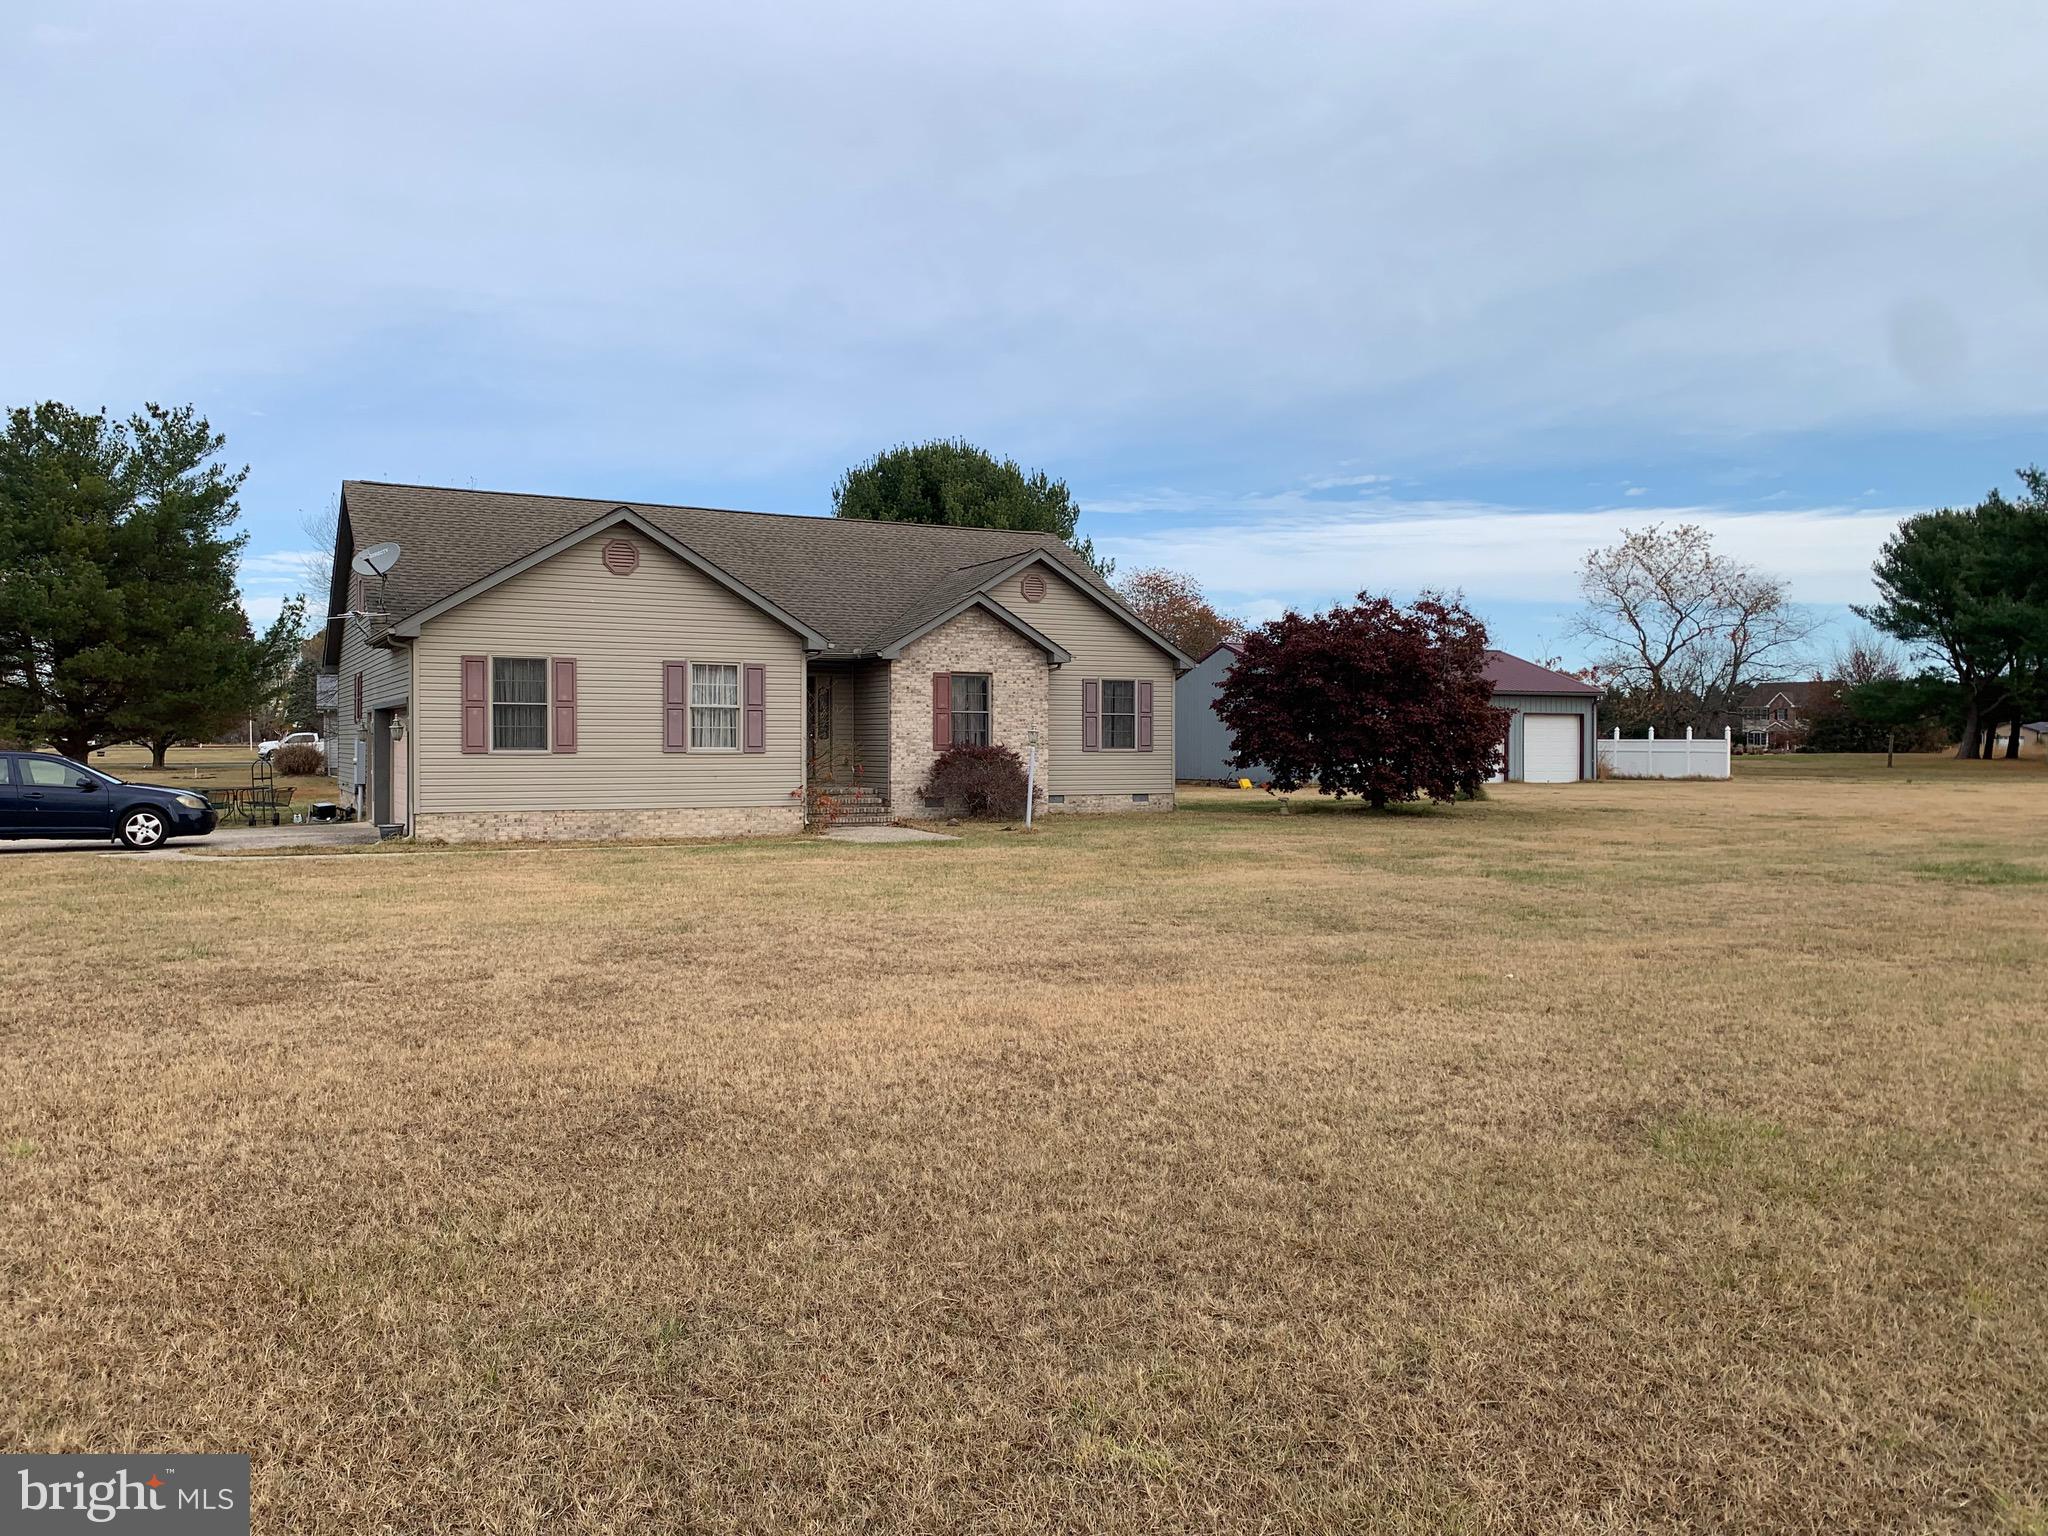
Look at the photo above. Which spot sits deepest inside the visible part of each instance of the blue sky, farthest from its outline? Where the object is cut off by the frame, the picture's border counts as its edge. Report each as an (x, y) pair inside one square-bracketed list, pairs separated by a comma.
[(1302, 298)]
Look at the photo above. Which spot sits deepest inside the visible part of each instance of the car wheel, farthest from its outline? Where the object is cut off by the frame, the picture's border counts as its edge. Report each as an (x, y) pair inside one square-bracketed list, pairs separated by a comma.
[(144, 828)]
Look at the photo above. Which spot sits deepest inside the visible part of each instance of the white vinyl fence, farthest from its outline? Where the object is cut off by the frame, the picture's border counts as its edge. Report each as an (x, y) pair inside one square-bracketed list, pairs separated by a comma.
[(1673, 757)]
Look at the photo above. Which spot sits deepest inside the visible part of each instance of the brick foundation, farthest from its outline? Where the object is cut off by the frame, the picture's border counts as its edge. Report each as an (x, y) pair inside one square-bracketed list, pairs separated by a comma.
[(1107, 805), (605, 826)]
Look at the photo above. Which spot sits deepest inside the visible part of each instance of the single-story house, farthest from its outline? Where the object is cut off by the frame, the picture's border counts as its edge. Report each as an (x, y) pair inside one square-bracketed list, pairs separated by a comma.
[(552, 667), (1554, 720)]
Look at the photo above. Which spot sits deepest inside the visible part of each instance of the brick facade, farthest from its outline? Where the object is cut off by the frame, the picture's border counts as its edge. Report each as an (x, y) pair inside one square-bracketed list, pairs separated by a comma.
[(600, 826), (1018, 698)]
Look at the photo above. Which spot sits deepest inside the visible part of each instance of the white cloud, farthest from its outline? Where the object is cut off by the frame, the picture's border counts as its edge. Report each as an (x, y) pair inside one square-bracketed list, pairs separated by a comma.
[(1339, 482), (1070, 227), (263, 608), (281, 565), (1256, 559)]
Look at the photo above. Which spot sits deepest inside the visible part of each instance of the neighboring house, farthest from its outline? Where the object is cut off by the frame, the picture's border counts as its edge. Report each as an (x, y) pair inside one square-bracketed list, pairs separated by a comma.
[(2033, 738), (544, 667), (1775, 715), (1553, 720)]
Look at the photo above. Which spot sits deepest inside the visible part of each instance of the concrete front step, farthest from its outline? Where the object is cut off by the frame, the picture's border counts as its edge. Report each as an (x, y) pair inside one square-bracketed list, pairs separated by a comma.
[(853, 805)]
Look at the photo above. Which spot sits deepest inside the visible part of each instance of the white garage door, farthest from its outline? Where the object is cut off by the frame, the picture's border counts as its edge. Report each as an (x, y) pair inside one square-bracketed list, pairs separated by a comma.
[(1550, 749)]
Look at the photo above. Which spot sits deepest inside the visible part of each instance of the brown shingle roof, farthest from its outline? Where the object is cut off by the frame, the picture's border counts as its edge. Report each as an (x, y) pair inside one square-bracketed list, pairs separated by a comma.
[(860, 584)]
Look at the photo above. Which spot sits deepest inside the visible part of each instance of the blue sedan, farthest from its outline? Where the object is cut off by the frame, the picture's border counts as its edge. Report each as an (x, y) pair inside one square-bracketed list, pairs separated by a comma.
[(43, 795)]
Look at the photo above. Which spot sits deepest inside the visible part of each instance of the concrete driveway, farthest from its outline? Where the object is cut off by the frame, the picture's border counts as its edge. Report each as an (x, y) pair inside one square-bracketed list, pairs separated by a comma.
[(312, 834)]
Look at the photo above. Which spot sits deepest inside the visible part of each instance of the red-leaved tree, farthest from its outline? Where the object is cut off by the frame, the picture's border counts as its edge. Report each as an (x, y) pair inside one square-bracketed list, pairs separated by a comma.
[(1387, 703)]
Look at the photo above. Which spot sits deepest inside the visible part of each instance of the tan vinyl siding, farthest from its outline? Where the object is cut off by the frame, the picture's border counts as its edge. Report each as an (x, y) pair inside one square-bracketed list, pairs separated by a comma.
[(386, 682), (620, 629), (867, 722), (1102, 646)]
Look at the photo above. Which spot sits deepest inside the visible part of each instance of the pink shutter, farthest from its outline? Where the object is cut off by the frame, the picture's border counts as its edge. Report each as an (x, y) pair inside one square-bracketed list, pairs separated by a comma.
[(476, 705), (942, 711), (564, 703), (675, 706), (1144, 716), (1091, 715), (754, 708)]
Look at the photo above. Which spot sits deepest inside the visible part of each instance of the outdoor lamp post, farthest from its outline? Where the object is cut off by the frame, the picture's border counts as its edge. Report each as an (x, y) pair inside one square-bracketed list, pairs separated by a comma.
[(1030, 776)]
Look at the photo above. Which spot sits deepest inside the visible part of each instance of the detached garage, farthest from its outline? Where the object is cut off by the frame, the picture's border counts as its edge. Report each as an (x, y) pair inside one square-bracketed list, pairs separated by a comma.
[(1550, 738), (1555, 720)]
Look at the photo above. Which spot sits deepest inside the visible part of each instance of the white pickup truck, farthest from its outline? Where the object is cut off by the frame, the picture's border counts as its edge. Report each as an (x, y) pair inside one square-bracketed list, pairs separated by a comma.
[(295, 739)]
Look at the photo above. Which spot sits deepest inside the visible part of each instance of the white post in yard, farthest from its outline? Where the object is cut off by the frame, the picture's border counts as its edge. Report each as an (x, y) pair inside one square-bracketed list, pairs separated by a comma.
[(1030, 777)]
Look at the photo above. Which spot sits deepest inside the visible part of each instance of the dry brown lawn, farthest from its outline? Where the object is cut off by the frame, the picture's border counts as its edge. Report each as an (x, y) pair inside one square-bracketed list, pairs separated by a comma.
[(1603, 1158)]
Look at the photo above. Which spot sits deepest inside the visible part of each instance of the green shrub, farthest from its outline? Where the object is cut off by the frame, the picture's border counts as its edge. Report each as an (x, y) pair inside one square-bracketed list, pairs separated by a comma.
[(977, 781), (298, 761)]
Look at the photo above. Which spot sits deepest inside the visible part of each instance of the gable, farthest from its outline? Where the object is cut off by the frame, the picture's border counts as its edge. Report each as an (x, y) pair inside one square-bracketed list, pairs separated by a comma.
[(621, 525), (1048, 598), (1092, 630), (618, 599)]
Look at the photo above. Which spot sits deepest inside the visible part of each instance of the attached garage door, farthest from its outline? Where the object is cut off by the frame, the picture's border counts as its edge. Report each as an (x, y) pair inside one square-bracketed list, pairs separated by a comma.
[(1550, 749)]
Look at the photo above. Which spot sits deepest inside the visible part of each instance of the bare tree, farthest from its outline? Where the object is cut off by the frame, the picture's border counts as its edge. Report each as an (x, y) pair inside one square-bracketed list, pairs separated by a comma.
[(1866, 657), (320, 528), (1682, 627)]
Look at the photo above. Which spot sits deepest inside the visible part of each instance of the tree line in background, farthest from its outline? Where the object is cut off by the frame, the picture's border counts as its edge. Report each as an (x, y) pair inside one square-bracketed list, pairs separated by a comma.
[(1968, 587), (120, 621), (1683, 636), (119, 614)]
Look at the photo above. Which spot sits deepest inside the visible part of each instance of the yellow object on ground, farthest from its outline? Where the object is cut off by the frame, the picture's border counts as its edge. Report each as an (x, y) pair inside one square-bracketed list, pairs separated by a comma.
[(1244, 783)]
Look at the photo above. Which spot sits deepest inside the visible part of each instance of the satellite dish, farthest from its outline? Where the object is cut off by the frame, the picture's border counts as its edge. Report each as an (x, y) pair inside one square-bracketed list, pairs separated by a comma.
[(376, 560)]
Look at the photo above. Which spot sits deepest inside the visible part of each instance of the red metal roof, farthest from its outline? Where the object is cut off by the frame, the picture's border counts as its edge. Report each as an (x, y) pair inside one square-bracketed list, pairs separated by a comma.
[(1511, 674)]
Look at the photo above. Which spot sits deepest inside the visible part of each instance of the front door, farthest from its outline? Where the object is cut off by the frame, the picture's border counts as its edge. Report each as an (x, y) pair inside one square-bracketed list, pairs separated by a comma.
[(818, 725), (63, 800)]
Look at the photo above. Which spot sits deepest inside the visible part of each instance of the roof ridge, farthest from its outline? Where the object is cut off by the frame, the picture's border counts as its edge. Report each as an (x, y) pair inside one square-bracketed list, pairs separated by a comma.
[(683, 506)]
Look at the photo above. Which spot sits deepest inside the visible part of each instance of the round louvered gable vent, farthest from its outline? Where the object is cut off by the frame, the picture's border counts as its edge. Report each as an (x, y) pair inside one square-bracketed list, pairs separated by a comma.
[(1033, 587), (621, 557)]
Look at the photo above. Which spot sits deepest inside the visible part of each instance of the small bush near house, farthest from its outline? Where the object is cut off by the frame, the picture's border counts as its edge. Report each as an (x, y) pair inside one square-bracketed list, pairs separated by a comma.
[(977, 781), (298, 761)]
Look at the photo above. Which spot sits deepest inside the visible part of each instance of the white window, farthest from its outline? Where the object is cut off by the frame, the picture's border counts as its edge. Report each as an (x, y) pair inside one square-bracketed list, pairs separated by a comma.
[(519, 704), (714, 706), (1119, 713), (970, 709)]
